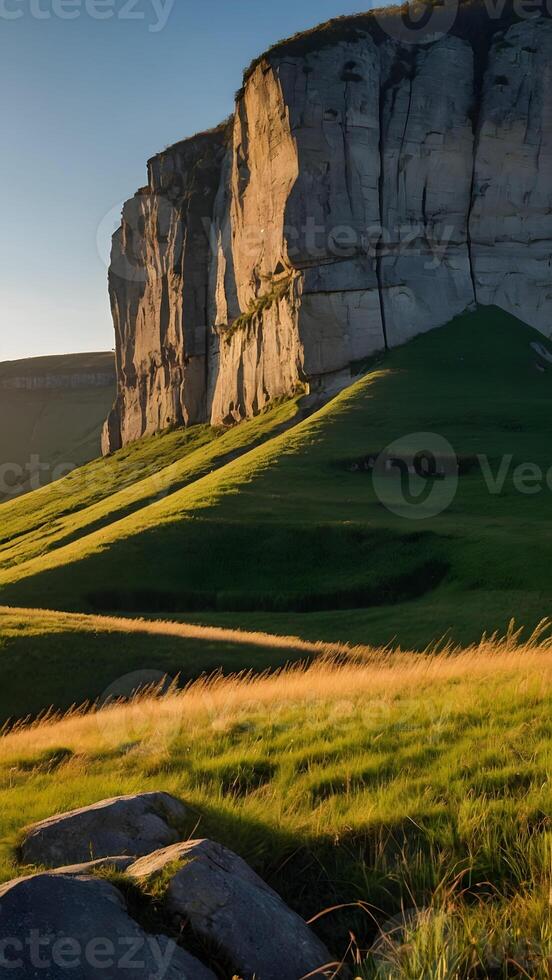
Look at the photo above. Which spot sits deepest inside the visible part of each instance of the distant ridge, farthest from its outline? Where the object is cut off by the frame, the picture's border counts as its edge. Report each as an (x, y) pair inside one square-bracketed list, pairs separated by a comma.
[(52, 412)]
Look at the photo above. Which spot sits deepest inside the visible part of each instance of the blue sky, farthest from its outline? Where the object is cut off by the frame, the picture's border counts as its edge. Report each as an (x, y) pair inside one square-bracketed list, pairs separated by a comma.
[(84, 103)]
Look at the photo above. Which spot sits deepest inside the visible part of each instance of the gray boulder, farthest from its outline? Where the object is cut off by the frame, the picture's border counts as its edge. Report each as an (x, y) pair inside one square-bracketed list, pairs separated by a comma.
[(52, 926), (229, 907), (126, 825)]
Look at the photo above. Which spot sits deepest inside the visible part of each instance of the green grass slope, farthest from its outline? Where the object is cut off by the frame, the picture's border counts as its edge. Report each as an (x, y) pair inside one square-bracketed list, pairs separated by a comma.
[(108, 489), (293, 534), (57, 660), (60, 426)]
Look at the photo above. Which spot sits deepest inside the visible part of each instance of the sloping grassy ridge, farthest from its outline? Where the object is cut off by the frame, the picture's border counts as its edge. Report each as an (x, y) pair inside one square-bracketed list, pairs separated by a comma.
[(292, 530), (52, 660)]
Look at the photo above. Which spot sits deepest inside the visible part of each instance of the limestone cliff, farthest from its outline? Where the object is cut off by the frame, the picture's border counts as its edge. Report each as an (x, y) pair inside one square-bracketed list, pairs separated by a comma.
[(365, 190)]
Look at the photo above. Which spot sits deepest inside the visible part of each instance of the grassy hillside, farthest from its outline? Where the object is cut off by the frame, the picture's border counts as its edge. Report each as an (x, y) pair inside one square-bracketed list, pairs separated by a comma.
[(403, 786), (59, 426), (58, 660), (109, 489), (401, 799), (292, 537)]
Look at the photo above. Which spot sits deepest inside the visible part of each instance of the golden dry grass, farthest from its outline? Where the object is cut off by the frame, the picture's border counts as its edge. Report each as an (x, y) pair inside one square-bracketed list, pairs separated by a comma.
[(58, 659), (338, 674), (189, 631), (381, 780)]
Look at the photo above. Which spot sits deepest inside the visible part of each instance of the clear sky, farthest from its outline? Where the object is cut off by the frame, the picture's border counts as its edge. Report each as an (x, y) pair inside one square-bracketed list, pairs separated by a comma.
[(85, 101)]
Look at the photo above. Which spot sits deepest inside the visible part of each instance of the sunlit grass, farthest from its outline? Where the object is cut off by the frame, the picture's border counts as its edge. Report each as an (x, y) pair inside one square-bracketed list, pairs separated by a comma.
[(107, 490), (397, 784), (291, 537), (55, 660)]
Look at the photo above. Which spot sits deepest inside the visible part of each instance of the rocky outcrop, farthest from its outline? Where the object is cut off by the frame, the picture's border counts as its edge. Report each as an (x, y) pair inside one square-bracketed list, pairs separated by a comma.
[(365, 191), (200, 895), (427, 160), (125, 825), (54, 926), (229, 907), (158, 286), (511, 218)]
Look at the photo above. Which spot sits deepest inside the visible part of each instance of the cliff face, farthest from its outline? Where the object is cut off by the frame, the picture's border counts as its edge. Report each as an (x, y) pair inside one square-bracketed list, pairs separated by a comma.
[(158, 283), (364, 191), (511, 216)]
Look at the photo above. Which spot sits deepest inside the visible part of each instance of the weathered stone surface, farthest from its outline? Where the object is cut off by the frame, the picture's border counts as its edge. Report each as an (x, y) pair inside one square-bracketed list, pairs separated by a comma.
[(126, 825), (119, 863), (511, 221), (427, 141), (366, 191), (84, 870), (158, 283), (228, 905), (52, 926)]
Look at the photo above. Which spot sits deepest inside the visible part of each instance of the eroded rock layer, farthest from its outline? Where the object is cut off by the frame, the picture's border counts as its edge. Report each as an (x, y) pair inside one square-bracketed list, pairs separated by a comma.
[(365, 191)]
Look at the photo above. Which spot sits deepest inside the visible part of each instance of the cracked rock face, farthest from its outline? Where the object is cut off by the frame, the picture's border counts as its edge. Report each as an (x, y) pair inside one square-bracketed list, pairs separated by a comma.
[(427, 140), (363, 193), (511, 221), (229, 907), (158, 282)]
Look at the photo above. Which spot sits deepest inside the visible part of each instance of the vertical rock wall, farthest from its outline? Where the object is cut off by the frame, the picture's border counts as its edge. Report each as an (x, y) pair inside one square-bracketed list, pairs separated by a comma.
[(159, 284), (427, 150), (363, 193), (511, 216)]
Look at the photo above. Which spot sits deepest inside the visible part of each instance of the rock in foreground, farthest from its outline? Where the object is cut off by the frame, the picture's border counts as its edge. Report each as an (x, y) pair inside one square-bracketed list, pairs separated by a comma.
[(125, 825), (53, 926), (229, 907), (67, 920)]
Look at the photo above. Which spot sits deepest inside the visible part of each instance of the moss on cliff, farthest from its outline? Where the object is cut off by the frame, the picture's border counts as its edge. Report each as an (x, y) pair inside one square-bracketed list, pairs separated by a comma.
[(278, 291)]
